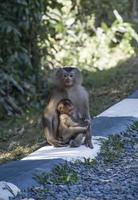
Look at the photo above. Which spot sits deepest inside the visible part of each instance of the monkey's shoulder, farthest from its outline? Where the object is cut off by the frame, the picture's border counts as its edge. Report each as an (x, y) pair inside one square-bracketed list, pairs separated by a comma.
[(77, 94)]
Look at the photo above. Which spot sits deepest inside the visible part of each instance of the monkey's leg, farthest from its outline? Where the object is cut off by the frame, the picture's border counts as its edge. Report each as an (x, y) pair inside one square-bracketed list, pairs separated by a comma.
[(88, 138), (77, 141), (51, 140), (49, 133), (71, 131)]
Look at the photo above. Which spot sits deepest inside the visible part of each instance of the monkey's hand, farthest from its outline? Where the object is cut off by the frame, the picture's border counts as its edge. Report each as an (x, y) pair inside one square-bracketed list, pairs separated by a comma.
[(56, 143), (60, 143), (75, 124), (84, 124), (88, 121)]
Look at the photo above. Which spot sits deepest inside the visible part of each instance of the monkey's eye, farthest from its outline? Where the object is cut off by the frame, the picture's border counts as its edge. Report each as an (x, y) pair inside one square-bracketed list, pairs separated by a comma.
[(71, 75), (65, 75)]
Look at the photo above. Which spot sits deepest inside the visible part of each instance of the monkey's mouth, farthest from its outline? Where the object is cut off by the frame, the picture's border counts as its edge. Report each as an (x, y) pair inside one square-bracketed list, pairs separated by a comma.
[(68, 83)]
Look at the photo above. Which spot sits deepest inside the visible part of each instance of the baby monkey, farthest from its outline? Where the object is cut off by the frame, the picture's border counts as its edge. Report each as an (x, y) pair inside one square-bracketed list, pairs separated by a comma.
[(69, 130)]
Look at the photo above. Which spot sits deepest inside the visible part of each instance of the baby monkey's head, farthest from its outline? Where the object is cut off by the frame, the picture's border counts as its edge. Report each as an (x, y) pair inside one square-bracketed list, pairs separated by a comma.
[(65, 106)]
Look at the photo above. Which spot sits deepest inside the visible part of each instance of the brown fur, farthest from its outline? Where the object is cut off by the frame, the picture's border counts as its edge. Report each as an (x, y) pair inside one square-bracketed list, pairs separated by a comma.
[(68, 128)]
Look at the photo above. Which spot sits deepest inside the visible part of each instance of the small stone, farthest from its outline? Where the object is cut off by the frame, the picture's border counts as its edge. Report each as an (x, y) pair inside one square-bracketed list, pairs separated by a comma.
[(8, 190)]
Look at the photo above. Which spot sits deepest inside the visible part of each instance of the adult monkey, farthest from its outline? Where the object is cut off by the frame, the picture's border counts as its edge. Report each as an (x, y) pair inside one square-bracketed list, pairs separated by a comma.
[(67, 84)]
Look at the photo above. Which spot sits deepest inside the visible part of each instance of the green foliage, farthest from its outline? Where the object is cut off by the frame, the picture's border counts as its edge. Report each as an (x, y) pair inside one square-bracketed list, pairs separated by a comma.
[(111, 148), (22, 28), (37, 35), (135, 126), (103, 10), (61, 174), (92, 46), (22, 126), (87, 162)]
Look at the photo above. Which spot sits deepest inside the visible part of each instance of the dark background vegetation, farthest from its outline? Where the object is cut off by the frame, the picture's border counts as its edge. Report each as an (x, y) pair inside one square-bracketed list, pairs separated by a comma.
[(98, 36)]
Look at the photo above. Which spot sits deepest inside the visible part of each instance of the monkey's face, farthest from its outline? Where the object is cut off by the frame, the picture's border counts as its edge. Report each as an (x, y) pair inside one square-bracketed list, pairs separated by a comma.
[(68, 78), (68, 109)]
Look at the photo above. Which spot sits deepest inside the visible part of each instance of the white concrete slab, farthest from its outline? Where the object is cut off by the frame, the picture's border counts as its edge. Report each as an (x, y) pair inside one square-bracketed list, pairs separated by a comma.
[(67, 153), (125, 108)]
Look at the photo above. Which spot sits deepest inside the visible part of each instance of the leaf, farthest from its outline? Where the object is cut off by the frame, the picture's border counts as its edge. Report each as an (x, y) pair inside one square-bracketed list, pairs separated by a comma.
[(118, 17), (22, 2), (15, 84), (60, 27), (9, 29), (25, 58), (104, 26)]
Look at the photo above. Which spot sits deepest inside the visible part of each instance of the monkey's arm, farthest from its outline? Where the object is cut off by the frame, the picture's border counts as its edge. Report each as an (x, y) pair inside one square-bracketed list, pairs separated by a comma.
[(67, 122), (68, 132), (70, 123)]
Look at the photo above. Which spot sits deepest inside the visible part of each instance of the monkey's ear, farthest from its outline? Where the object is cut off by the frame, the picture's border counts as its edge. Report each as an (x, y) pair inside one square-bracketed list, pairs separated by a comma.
[(60, 108)]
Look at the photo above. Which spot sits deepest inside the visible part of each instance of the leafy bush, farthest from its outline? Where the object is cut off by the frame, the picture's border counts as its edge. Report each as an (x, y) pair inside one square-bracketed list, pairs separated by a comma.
[(81, 43), (37, 35), (22, 28)]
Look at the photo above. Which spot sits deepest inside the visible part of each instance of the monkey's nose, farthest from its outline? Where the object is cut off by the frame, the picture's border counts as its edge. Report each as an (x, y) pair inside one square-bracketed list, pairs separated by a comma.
[(68, 79)]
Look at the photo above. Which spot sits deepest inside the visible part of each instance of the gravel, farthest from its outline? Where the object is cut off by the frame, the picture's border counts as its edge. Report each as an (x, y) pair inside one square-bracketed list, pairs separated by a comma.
[(113, 180)]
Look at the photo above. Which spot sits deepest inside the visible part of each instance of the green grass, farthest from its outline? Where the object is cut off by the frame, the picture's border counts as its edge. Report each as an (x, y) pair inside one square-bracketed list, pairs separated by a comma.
[(111, 148), (107, 87), (135, 126), (61, 174), (20, 135), (87, 162)]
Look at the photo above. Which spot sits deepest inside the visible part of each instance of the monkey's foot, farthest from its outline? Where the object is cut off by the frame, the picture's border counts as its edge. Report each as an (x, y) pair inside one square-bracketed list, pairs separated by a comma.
[(88, 143), (73, 144), (77, 141)]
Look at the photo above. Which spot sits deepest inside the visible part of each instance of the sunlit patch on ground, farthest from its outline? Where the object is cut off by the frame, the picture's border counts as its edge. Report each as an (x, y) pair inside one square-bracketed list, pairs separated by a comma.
[(125, 108)]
